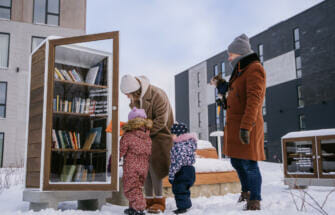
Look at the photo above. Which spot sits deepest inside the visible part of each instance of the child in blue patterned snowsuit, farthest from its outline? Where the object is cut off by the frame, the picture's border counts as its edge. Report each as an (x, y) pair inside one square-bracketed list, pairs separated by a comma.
[(182, 172)]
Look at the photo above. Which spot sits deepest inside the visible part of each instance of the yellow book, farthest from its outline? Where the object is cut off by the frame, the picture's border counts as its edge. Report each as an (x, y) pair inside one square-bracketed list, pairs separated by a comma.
[(70, 106), (57, 103), (61, 77)]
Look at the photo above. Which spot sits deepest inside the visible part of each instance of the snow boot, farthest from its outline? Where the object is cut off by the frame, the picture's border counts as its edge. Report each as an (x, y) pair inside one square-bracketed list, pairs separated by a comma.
[(158, 206), (253, 205), (132, 211), (180, 211), (244, 197), (149, 203)]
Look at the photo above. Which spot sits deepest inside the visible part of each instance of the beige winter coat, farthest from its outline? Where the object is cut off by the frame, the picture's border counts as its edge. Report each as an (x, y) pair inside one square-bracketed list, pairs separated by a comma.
[(157, 107)]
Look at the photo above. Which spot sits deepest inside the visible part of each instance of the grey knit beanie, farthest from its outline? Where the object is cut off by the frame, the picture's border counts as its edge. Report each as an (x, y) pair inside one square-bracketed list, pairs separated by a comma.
[(240, 45)]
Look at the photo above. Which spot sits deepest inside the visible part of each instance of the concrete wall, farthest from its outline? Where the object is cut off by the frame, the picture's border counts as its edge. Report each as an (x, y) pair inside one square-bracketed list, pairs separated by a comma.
[(194, 89), (14, 125), (182, 98)]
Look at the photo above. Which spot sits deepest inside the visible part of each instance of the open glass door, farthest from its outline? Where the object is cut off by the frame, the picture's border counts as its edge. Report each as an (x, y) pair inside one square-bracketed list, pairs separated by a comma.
[(82, 100)]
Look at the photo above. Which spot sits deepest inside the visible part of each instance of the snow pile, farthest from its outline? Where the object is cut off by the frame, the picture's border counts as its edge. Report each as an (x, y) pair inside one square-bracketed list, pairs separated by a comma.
[(203, 144), (212, 165), (10, 177)]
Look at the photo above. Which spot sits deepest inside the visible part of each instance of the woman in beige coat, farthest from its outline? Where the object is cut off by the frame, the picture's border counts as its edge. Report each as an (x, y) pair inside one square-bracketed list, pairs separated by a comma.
[(157, 107)]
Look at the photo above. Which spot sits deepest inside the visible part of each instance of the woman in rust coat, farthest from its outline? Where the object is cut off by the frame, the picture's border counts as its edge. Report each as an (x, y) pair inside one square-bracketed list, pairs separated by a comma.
[(244, 130)]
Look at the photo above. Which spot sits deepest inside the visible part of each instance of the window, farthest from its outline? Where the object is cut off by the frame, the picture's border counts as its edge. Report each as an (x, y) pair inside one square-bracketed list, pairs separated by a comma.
[(199, 136), (2, 141), (198, 99), (265, 130), (296, 38), (199, 120), (302, 122), (4, 50), (198, 77), (264, 106), (5, 9), (298, 66), (223, 69), (3, 98), (300, 97), (261, 52), (46, 12), (35, 41), (216, 70)]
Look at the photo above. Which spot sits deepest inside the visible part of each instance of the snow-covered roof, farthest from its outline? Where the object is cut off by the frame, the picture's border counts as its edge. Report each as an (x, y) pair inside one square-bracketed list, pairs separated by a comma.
[(311, 133)]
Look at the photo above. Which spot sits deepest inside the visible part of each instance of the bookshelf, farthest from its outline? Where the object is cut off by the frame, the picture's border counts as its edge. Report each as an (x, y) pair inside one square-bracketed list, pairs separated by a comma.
[(308, 158), (73, 97)]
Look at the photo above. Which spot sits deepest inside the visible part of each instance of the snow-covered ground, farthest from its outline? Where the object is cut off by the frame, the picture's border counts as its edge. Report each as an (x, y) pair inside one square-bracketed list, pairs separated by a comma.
[(277, 199)]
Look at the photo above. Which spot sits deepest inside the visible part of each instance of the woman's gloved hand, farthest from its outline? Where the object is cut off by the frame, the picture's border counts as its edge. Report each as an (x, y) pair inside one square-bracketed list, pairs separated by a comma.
[(244, 136)]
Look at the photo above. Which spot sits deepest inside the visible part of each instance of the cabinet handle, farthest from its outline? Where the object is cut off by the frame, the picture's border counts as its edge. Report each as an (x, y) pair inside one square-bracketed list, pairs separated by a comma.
[(114, 108)]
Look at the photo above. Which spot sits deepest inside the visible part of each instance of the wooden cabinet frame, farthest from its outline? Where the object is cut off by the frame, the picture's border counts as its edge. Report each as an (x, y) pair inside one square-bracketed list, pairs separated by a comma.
[(40, 134), (312, 139)]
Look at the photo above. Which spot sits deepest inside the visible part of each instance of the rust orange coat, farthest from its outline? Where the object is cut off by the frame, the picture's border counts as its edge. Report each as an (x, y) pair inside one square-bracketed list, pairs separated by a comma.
[(244, 110)]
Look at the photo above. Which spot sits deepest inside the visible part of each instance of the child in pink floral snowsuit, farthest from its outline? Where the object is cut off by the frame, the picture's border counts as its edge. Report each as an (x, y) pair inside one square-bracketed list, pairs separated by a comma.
[(135, 147)]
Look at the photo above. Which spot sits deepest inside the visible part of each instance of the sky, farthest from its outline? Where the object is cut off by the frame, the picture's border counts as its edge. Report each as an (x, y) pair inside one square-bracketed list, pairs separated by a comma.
[(161, 38)]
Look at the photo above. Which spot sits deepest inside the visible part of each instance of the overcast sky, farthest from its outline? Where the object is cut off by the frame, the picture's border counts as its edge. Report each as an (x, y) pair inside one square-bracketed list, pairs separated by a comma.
[(161, 38)]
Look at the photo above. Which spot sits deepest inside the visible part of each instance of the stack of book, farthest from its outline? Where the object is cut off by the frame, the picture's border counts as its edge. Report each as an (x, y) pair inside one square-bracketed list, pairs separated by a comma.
[(76, 105), (77, 173), (70, 75), (71, 139), (66, 139)]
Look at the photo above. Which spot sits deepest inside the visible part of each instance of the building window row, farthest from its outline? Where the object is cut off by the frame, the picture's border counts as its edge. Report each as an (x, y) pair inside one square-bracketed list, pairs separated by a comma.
[(199, 103), (46, 12), (5, 9), (261, 53), (199, 120), (302, 122), (3, 99), (4, 48), (296, 37)]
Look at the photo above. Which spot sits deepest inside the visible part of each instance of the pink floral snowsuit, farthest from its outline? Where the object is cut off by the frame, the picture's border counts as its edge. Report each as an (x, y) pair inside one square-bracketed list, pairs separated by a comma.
[(135, 147)]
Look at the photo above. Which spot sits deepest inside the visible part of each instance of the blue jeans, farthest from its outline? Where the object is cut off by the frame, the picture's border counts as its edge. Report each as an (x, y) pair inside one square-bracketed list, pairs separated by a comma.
[(249, 175)]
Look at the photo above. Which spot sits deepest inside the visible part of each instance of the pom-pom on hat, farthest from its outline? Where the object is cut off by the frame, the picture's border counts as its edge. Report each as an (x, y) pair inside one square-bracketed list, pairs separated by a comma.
[(137, 113), (179, 129)]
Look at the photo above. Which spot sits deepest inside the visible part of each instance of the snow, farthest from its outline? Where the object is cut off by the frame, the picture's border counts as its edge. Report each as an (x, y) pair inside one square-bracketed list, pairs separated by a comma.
[(277, 200), (311, 133), (203, 144), (212, 165), (216, 133)]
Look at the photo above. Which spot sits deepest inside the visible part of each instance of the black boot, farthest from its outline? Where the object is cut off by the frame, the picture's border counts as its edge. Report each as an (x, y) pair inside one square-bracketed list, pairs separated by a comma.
[(135, 212), (127, 211), (180, 211)]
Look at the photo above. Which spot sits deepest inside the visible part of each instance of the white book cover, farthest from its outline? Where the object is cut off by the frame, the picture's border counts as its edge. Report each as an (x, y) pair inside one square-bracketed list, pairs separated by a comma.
[(91, 75)]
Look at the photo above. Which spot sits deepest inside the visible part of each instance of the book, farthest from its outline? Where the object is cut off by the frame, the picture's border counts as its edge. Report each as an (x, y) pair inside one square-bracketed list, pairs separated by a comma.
[(97, 140), (68, 173), (60, 134), (57, 98), (77, 75), (71, 76), (54, 139), (98, 79), (92, 75), (59, 74), (89, 140), (79, 173), (58, 140), (66, 75)]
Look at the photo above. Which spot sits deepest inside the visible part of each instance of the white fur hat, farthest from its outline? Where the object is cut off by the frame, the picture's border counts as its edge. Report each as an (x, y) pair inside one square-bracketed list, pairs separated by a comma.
[(129, 84)]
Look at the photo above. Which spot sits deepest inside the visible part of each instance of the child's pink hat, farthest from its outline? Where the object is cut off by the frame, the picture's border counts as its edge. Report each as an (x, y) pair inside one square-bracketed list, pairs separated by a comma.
[(137, 113)]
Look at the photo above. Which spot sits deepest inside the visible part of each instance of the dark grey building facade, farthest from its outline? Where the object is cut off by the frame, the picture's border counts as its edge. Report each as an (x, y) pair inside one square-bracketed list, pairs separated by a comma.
[(298, 55)]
